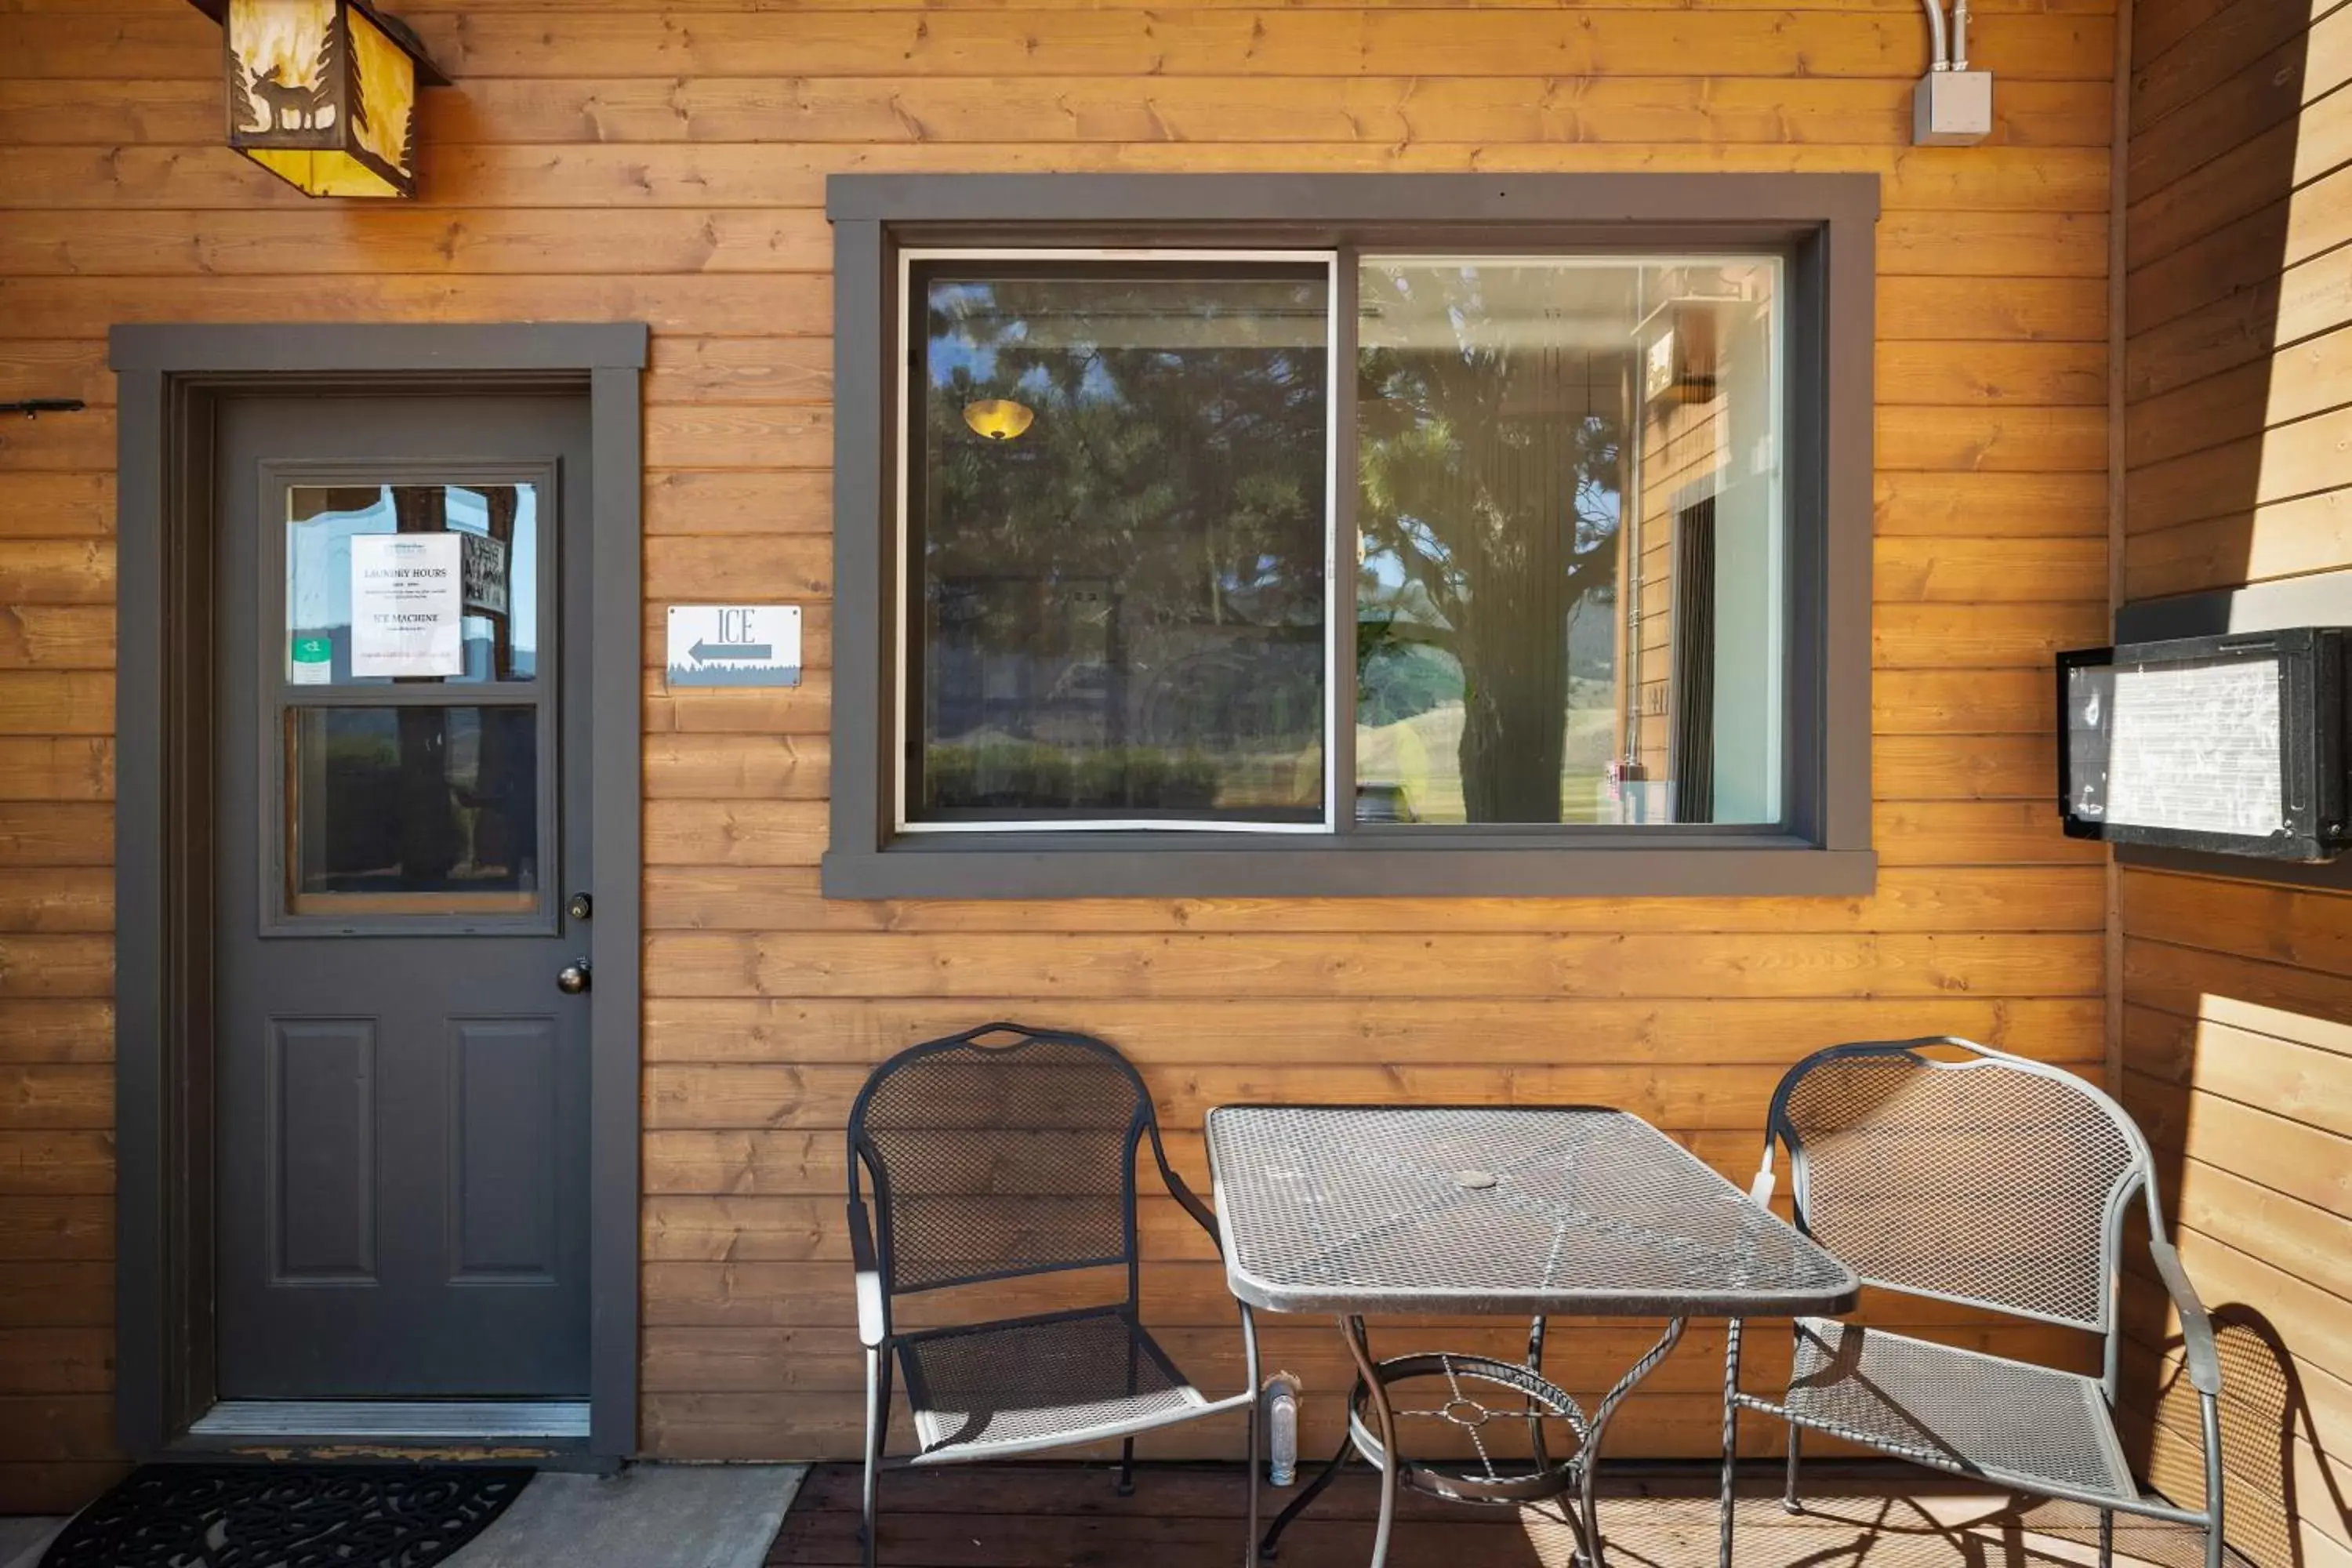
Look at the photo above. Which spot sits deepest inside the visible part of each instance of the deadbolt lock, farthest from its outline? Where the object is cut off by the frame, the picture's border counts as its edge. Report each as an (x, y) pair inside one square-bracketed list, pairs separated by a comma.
[(580, 907)]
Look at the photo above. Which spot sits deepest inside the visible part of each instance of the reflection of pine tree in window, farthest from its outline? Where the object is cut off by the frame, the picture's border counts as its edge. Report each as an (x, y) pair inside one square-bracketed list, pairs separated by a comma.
[(1489, 473), (1167, 503)]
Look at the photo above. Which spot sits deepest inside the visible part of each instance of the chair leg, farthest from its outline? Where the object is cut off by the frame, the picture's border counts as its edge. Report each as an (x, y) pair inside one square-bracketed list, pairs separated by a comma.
[(877, 1427), (2106, 1538), (1788, 1498), (2210, 1408), (1127, 1449), (1251, 1476), (1730, 1443)]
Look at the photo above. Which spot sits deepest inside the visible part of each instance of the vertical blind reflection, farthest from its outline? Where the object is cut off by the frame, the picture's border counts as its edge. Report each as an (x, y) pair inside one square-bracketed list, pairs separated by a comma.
[(1119, 546), (1570, 581)]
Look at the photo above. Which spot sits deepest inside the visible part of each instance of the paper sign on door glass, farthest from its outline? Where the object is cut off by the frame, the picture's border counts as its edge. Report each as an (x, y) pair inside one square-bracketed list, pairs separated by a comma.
[(406, 604)]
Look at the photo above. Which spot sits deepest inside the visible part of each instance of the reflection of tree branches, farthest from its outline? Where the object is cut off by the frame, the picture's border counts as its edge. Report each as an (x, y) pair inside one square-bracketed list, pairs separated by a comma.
[(1186, 475), (1156, 445)]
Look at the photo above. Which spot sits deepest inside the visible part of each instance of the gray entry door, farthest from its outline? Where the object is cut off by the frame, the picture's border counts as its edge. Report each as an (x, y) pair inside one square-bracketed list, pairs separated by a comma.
[(400, 859)]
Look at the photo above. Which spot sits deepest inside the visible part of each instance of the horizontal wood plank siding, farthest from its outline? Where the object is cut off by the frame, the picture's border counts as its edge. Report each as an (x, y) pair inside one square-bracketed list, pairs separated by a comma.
[(2237, 996), (57, 900), (664, 161)]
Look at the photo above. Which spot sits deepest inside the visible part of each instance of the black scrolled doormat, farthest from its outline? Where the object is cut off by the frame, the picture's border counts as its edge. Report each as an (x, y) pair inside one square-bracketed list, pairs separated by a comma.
[(286, 1516)]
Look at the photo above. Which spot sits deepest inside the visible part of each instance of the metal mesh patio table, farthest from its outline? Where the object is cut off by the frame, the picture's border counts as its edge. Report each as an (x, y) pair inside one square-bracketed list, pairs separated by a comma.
[(1519, 1210)]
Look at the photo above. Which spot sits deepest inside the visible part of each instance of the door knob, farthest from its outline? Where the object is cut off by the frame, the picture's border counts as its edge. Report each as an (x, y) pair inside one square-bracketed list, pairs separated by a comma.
[(572, 978)]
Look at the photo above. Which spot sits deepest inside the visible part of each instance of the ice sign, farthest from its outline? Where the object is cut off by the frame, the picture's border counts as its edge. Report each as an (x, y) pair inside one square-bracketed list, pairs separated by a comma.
[(734, 644)]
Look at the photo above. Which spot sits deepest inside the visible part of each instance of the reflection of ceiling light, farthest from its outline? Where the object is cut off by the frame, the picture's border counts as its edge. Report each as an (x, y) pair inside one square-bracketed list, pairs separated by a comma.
[(998, 419)]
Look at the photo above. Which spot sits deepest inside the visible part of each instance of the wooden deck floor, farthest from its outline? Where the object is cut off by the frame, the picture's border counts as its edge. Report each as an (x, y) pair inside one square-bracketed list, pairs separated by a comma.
[(1067, 1516)]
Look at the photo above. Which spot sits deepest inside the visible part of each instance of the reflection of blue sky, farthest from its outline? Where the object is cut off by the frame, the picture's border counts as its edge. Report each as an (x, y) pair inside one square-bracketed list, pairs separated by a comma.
[(956, 352), (318, 562), (1386, 570)]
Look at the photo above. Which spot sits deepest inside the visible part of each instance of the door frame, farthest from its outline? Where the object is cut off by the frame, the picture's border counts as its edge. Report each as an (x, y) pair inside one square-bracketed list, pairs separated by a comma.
[(170, 379)]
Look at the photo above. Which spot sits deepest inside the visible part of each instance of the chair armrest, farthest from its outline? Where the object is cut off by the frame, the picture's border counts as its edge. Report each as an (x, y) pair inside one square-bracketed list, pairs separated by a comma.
[(1201, 1212), (871, 1328), (2196, 1328)]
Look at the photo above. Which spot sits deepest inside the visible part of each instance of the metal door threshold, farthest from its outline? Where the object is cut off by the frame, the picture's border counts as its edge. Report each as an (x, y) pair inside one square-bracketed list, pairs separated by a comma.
[(387, 1420)]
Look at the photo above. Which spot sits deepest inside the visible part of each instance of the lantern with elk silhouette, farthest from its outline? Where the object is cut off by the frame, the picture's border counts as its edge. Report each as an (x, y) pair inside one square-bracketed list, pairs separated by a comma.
[(322, 93)]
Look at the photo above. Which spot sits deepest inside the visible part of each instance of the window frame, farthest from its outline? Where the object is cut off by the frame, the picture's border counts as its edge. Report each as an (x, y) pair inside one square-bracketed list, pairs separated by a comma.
[(1822, 227)]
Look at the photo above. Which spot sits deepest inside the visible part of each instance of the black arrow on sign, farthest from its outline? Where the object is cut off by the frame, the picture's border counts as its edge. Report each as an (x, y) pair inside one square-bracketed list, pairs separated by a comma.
[(704, 652)]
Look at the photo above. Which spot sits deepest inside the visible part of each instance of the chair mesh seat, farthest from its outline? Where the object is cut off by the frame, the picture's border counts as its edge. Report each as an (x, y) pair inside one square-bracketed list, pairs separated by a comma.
[(979, 1391), (1957, 1409)]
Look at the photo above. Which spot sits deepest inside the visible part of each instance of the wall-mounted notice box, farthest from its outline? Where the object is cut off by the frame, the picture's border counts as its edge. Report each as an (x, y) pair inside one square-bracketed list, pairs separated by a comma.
[(2232, 745)]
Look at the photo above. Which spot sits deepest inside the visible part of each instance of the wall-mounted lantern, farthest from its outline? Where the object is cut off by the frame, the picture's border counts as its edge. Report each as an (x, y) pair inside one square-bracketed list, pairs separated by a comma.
[(322, 93)]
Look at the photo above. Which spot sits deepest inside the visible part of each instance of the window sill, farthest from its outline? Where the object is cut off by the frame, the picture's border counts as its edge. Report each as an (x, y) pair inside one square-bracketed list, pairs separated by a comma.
[(1363, 865)]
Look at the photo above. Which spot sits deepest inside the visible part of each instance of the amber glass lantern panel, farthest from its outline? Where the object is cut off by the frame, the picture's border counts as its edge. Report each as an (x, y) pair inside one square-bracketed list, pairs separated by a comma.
[(322, 93)]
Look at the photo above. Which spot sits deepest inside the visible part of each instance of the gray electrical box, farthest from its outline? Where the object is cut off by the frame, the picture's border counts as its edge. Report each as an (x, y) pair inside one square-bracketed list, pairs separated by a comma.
[(1951, 109)]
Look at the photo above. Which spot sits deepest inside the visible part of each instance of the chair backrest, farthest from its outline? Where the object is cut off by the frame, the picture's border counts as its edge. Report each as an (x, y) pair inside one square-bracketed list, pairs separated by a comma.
[(996, 1159), (1975, 1176)]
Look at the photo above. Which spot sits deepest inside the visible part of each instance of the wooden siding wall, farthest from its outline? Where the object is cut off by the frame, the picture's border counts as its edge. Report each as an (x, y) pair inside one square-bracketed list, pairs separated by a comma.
[(2237, 996), (663, 160)]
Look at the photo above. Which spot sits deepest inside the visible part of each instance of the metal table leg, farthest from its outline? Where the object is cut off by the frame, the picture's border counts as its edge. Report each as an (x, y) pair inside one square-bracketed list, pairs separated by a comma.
[(1588, 1457), (1351, 1328), (1581, 1473)]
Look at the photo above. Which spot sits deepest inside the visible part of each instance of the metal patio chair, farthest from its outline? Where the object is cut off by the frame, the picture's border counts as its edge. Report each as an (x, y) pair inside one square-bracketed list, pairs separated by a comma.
[(996, 1161), (1989, 1180)]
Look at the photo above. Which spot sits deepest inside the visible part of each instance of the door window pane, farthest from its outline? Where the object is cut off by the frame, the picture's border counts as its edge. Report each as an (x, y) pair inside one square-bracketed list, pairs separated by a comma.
[(1571, 569), (388, 583), (413, 810), (1118, 543)]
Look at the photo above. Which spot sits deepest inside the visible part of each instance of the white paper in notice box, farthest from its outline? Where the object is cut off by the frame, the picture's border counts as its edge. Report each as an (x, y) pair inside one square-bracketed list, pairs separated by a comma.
[(2231, 745)]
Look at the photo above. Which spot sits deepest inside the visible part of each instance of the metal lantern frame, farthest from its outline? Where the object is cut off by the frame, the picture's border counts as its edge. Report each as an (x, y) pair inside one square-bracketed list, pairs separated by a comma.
[(313, 131)]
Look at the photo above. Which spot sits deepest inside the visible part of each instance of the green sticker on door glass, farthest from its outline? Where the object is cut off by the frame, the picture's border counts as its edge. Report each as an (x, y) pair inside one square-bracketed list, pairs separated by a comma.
[(313, 663)]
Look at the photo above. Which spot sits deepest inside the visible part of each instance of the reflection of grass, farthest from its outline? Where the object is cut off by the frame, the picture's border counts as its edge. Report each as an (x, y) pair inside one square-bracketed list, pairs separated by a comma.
[(1422, 756), (1019, 774)]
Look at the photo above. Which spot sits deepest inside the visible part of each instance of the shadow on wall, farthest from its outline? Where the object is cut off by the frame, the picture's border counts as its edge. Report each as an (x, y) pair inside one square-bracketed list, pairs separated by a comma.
[(2274, 1471), (2227, 311), (2237, 353)]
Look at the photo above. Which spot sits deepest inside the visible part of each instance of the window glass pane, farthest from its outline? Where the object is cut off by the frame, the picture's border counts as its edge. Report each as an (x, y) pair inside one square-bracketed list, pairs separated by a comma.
[(1571, 580), (388, 583), (1118, 542), (413, 810)]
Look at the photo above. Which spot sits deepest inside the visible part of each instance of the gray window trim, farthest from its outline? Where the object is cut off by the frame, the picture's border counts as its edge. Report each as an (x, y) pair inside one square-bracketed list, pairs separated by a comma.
[(169, 377), (1824, 224)]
